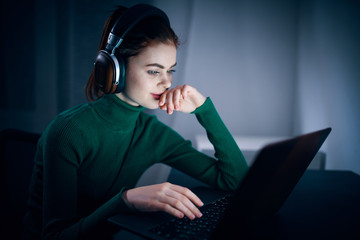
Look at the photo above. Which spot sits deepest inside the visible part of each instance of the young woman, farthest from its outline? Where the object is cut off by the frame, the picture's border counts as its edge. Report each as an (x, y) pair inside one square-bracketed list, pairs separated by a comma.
[(90, 157)]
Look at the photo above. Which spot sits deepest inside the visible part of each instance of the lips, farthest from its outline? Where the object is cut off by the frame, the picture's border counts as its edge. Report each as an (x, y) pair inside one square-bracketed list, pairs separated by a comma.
[(156, 96)]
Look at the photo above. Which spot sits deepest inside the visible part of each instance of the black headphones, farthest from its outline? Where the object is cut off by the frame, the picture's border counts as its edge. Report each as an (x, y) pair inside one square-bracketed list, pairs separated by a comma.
[(110, 70)]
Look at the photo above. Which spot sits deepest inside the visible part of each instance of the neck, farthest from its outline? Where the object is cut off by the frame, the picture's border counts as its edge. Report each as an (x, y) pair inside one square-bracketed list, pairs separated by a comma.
[(123, 96), (117, 113)]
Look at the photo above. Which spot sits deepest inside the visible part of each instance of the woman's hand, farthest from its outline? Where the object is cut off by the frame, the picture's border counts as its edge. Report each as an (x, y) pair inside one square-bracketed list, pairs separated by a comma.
[(181, 98), (173, 199)]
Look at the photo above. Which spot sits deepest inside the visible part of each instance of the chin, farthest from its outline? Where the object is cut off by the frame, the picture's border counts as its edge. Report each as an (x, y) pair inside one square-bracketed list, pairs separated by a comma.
[(151, 106)]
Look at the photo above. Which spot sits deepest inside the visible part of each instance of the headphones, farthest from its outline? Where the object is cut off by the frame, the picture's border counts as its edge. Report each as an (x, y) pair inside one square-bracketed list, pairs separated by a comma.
[(109, 70)]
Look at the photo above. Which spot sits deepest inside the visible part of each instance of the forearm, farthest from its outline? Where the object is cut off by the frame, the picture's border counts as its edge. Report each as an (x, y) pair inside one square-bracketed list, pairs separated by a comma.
[(231, 161)]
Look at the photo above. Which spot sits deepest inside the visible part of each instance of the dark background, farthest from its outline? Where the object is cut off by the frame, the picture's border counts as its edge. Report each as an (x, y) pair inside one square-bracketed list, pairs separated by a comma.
[(272, 68)]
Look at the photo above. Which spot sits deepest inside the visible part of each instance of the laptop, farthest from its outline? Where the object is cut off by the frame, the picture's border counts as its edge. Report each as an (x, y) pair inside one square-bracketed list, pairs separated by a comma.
[(271, 178)]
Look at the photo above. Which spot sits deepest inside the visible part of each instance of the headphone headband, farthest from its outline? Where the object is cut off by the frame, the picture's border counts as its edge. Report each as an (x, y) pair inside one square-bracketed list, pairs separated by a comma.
[(128, 20)]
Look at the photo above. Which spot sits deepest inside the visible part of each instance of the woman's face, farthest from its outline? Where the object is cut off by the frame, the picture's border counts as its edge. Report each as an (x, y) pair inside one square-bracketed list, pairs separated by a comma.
[(148, 75)]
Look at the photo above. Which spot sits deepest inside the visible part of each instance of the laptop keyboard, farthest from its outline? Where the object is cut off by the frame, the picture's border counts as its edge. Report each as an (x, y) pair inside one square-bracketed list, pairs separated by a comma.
[(199, 228)]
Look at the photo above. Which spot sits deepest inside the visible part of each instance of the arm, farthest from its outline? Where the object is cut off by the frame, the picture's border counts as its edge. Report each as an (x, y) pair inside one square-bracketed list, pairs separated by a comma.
[(63, 152), (225, 172), (230, 165)]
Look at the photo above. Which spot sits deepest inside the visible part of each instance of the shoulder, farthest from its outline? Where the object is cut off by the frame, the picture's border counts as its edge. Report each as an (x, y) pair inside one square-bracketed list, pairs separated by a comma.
[(68, 123), (74, 113)]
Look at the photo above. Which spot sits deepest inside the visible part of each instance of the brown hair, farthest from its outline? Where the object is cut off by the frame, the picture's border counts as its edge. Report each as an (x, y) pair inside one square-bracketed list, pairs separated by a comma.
[(152, 29)]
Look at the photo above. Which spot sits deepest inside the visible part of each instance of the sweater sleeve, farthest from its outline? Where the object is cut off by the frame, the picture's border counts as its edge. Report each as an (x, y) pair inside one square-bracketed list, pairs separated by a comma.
[(226, 169), (62, 154)]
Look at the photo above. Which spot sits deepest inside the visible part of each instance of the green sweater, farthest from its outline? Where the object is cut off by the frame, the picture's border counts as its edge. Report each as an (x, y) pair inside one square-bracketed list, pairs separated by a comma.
[(90, 154)]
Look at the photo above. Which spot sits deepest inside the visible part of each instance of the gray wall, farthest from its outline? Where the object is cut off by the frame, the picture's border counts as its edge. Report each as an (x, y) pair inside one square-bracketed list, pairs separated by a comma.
[(272, 68), (328, 80)]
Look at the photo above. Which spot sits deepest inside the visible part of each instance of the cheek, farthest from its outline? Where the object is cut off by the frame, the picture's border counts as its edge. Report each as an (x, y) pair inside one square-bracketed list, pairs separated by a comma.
[(137, 84)]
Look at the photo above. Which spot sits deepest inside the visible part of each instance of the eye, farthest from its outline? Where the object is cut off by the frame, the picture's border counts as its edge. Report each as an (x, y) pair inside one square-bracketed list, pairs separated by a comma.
[(153, 72), (171, 71)]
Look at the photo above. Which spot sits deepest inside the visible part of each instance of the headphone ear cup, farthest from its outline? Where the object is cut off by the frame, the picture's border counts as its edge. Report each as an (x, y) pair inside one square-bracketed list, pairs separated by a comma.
[(105, 72), (121, 74)]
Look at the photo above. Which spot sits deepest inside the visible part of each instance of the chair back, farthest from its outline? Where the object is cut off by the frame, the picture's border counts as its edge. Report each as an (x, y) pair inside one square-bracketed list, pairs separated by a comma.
[(17, 152)]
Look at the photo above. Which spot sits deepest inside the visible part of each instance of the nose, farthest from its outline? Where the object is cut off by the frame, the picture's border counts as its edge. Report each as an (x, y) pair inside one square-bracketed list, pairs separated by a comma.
[(166, 81)]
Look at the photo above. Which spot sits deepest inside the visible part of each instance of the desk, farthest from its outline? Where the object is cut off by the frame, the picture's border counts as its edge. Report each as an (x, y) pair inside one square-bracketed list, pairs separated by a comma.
[(323, 205)]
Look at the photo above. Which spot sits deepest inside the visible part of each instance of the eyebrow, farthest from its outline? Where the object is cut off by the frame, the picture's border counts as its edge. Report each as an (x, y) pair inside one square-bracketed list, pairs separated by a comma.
[(159, 65)]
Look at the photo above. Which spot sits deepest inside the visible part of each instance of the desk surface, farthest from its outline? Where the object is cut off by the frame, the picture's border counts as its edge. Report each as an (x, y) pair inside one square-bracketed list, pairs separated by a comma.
[(323, 205)]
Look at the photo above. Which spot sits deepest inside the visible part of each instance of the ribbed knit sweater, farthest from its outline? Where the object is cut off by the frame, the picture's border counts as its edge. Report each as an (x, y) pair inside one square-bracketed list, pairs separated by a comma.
[(90, 154)]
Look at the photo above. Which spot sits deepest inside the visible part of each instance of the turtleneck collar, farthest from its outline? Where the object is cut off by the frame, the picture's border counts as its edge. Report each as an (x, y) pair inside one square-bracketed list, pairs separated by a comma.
[(117, 113)]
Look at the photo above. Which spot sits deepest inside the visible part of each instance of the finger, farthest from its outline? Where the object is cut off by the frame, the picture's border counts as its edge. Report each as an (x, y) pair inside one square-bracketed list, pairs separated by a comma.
[(183, 204), (163, 107), (188, 193), (179, 197), (169, 102), (162, 98), (184, 90), (170, 210), (177, 95)]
